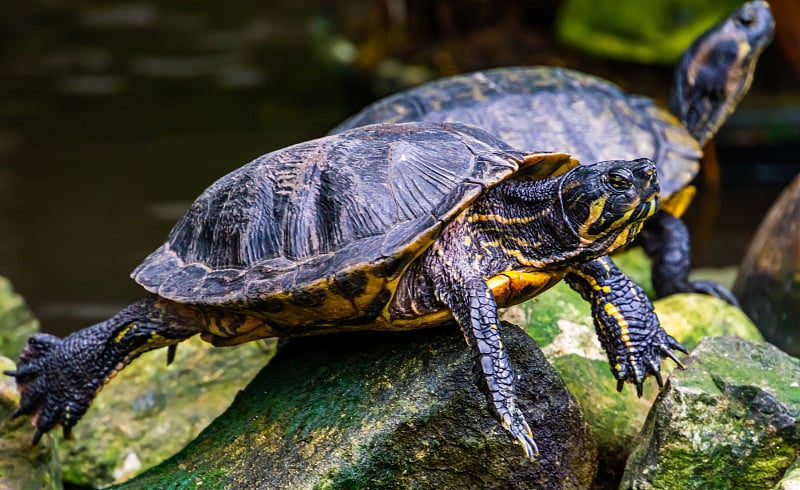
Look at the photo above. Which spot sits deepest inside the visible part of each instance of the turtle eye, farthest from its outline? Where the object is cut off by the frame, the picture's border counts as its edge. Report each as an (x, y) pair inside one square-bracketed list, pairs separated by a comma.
[(619, 181), (745, 19)]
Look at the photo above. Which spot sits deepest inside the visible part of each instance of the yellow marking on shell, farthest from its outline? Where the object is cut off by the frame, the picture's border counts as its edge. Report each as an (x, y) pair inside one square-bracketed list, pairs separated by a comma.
[(677, 203), (492, 244), (467, 240)]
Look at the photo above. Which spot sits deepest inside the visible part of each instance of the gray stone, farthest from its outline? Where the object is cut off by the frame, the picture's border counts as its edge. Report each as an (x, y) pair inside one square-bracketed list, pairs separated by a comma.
[(385, 410), (731, 420)]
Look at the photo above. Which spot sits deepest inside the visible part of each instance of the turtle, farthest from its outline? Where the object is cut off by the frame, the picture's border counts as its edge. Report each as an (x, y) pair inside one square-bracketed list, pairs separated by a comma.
[(383, 227), (594, 119)]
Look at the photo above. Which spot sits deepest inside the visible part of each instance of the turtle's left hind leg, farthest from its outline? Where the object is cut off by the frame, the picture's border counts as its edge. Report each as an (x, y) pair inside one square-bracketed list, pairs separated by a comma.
[(473, 306), (665, 239), (58, 378)]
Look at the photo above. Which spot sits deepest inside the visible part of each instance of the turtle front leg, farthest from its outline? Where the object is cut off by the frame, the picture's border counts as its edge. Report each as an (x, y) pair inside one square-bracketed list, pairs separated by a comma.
[(58, 378), (473, 305), (625, 322), (665, 239)]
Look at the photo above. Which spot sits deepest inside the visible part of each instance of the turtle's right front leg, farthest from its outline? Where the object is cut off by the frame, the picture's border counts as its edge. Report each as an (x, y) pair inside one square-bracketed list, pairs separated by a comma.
[(473, 306), (58, 378)]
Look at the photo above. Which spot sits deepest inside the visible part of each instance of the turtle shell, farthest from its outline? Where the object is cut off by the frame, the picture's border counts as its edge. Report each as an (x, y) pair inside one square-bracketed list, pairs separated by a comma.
[(551, 108), (330, 223)]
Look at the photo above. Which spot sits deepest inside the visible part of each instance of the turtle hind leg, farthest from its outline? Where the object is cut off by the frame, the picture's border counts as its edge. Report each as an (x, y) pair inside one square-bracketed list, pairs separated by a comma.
[(58, 378), (474, 308), (665, 239)]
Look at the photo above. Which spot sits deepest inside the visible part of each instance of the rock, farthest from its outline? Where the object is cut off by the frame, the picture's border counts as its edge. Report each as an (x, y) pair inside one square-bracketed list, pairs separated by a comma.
[(768, 284), (561, 324), (730, 420), (149, 411), (146, 414), (22, 465), (385, 410), (17, 323), (791, 479)]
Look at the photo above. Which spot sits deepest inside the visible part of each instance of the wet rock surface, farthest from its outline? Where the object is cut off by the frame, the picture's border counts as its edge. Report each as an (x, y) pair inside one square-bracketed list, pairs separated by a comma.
[(386, 410), (561, 324), (23, 466), (730, 420), (150, 411)]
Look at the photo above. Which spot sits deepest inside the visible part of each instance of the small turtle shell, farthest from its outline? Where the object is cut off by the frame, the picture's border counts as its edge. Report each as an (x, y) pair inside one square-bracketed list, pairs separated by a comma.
[(329, 214), (551, 109)]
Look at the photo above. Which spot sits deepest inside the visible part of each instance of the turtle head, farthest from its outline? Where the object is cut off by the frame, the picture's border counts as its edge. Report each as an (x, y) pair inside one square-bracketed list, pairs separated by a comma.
[(606, 203), (715, 72)]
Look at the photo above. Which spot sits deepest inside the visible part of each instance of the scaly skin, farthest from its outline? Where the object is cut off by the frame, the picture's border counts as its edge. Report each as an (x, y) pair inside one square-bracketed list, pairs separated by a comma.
[(58, 378), (625, 322)]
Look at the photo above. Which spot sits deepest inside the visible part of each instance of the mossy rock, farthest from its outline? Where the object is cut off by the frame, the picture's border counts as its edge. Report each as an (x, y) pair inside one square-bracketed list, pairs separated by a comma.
[(17, 323), (560, 321), (22, 465), (385, 410), (731, 420), (150, 411)]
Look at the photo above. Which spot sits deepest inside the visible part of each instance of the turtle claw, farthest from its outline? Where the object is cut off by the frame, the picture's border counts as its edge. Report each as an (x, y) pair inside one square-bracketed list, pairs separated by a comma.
[(713, 289), (522, 434), (668, 352), (657, 373), (171, 350), (48, 389), (647, 361)]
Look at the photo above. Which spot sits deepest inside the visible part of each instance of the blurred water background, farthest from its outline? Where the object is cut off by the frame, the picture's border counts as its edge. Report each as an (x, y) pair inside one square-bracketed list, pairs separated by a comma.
[(115, 115)]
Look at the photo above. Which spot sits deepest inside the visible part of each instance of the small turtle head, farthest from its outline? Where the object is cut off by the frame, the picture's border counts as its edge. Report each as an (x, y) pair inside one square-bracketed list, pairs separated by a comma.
[(715, 72), (606, 203)]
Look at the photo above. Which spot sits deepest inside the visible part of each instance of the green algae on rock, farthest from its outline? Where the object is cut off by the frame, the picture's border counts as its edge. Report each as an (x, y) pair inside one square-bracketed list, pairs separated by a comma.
[(23, 466), (17, 323), (730, 420), (560, 322), (151, 412), (385, 410)]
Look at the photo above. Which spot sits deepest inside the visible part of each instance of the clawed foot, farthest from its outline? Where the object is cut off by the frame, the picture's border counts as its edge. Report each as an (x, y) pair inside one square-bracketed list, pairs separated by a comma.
[(647, 361), (47, 387), (515, 424), (713, 289)]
